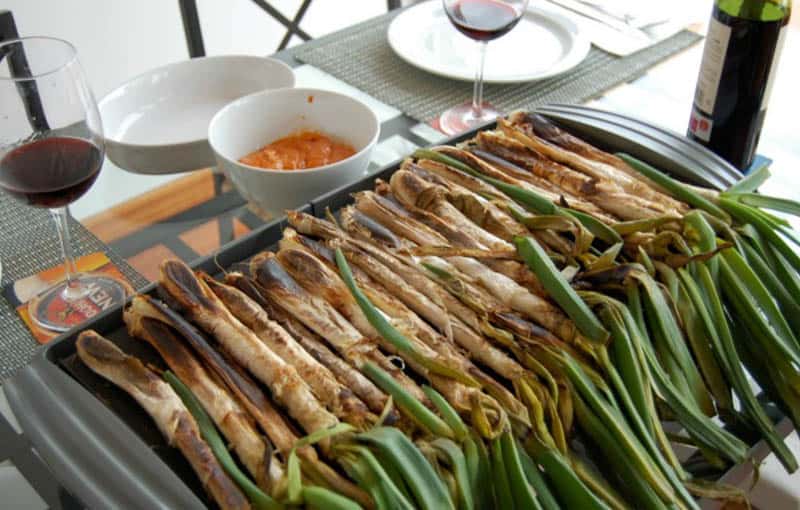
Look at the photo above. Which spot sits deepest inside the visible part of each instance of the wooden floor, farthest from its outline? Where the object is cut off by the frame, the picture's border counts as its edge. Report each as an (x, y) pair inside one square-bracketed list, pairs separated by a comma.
[(168, 222), (152, 207)]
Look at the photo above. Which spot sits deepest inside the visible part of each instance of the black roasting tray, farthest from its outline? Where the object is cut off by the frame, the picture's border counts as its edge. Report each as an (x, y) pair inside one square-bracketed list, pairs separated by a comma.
[(104, 449)]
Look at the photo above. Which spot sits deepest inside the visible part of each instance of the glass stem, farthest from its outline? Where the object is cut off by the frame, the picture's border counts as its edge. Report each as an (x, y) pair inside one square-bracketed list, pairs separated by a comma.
[(477, 91), (61, 217)]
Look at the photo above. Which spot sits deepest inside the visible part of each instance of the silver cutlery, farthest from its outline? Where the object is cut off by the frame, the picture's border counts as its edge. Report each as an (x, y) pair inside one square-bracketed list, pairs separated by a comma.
[(633, 18), (612, 22)]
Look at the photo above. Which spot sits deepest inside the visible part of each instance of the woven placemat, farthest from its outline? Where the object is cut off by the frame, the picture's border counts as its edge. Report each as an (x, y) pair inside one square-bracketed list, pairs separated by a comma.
[(29, 244), (361, 56)]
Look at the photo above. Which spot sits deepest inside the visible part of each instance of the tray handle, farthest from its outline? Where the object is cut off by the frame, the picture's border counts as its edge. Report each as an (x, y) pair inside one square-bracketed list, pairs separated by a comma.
[(90, 451)]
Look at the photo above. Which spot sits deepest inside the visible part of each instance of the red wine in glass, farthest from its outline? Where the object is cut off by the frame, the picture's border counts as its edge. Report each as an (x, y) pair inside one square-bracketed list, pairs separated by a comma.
[(51, 172), (482, 21), (51, 152)]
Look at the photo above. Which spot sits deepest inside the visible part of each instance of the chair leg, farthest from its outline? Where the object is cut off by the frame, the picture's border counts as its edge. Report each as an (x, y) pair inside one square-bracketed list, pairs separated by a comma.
[(280, 18), (292, 28), (18, 66), (8, 29), (191, 28)]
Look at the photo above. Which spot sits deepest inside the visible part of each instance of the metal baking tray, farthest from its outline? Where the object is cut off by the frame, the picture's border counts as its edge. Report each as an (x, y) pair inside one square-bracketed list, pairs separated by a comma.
[(104, 449)]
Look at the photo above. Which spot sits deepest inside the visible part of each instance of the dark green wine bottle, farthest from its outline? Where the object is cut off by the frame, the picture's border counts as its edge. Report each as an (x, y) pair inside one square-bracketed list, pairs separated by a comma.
[(738, 71)]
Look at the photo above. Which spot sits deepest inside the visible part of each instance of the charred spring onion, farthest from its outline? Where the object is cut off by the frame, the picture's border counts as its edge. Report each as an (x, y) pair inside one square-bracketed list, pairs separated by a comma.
[(560, 290), (675, 188), (504, 324), (257, 497)]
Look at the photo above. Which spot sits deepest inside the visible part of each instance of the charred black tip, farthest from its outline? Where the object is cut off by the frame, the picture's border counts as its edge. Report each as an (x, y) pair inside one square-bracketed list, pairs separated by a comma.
[(617, 275), (271, 275), (167, 341), (380, 232), (389, 203), (176, 320), (545, 129), (393, 418), (215, 359), (249, 287), (92, 344), (522, 327), (316, 247), (175, 273)]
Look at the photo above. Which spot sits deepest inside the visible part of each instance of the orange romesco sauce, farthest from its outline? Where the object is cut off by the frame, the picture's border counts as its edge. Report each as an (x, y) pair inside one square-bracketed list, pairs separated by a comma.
[(305, 149)]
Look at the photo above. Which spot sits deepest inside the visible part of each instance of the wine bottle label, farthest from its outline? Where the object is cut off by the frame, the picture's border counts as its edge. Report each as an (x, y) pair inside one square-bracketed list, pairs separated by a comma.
[(719, 35), (774, 68), (700, 125)]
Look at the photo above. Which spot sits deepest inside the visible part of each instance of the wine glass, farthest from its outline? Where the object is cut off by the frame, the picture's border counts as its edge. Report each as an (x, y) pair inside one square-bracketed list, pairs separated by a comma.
[(482, 21), (51, 152)]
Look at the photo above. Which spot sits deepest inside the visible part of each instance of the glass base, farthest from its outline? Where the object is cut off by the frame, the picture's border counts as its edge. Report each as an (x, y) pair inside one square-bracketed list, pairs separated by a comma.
[(461, 118), (62, 306)]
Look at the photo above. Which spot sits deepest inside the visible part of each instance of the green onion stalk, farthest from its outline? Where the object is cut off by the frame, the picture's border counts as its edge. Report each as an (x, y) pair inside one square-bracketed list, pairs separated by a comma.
[(529, 199), (509, 484), (675, 345)]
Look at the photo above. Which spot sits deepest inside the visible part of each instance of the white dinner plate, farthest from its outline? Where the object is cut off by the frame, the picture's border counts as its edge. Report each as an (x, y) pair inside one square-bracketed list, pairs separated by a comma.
[(543, 44), (157, 122)]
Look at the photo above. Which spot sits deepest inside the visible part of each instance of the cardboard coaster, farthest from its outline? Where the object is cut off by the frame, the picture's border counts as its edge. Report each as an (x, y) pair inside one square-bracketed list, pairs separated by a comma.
[(31, 294)]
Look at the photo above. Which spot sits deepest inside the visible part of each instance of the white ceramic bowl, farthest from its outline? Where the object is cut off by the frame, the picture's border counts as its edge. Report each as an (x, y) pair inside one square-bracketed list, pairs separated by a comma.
[(253, 121), (158, 122)]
